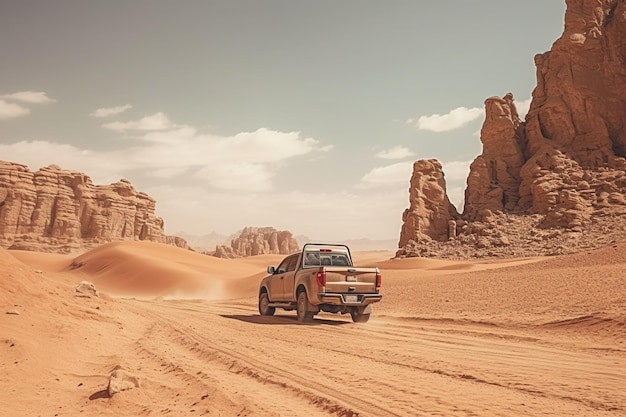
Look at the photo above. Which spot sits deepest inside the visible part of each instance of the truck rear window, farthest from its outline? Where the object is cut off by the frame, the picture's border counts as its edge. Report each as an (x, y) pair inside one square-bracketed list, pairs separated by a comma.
[(325, 259)]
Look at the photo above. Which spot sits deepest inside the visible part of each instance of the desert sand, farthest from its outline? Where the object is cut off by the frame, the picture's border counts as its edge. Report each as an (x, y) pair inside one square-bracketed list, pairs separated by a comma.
[(522, 337)]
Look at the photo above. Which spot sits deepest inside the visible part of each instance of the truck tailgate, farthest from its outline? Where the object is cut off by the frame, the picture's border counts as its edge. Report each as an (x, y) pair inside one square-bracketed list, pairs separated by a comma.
[(350, 280)]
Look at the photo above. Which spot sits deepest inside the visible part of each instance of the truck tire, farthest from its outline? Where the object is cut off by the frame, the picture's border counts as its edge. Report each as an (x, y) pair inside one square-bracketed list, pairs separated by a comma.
[(304, 316), (264, 307), (358, 316)]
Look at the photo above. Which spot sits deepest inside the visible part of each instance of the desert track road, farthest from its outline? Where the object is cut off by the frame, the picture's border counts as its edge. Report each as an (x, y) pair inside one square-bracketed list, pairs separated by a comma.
[(225, 359)]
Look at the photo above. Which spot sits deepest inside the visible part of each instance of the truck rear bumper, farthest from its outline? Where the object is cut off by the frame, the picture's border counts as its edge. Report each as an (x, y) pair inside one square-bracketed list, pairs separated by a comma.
[(348, 299)]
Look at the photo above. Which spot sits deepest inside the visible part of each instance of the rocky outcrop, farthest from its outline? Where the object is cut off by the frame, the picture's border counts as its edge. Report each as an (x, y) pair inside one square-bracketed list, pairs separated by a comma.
[(579, 104), (55, 210), (258, 241), (574, 136), (494, 179), (575, 130), (506, 235), (565, 164), (430, 213)]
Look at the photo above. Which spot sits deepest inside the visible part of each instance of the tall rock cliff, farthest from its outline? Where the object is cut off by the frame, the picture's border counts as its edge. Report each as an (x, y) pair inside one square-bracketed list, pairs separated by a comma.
[(494, 179), (55, 210), (564, 167), (258, 241), (430, 212), (566, 161), (579, 104), (575, 130)]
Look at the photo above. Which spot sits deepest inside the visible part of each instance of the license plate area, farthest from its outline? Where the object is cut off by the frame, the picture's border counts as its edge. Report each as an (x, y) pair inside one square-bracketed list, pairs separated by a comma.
[(351, 298)]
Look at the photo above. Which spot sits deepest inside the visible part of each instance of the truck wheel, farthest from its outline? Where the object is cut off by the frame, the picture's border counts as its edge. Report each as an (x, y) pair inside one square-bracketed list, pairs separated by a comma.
[(358, 316), (304, 316), (264, 307)]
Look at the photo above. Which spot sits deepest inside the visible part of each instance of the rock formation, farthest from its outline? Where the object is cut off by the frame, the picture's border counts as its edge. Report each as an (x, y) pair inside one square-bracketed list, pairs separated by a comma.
[(493, 182), (564, 166), (430, 210), (55, 210), (578, 106), (575, 130), (258, 241), (122, 380), (86, 289)]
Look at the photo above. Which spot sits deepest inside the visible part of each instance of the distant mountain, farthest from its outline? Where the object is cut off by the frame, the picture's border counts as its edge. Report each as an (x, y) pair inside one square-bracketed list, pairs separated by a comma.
[(362, 244), (206, 242), (63, 211), (258, 241)]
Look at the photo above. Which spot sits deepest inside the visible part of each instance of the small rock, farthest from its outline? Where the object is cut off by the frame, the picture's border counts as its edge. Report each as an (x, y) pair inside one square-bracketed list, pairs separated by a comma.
[(14, 312), (86, 289), (502, 241), (122, 380), (482, 243)]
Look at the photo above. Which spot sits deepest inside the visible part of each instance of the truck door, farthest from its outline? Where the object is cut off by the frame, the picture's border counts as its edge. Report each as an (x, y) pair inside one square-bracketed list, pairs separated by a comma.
[(290, 278), (277, 291)]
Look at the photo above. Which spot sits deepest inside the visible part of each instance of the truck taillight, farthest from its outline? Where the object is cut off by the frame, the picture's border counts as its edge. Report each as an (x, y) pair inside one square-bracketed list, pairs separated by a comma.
[(320, 277), (379, 279)]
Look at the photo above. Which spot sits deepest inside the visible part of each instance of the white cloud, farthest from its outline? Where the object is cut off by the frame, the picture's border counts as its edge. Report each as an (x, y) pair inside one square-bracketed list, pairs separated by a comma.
[(456, 170), (174, 135), (12, 110), (157, 121), (455, 119), (9, 110), (394, 175), (397, 152), (523, 107), (247, 161), (456, 195), (110, 111), (398, 176), (456, 173), (265, 145), (33, 97), (237, 176), (184, 145)]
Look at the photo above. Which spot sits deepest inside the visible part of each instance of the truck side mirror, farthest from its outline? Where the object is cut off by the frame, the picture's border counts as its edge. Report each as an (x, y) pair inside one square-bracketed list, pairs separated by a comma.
[(271, 270)]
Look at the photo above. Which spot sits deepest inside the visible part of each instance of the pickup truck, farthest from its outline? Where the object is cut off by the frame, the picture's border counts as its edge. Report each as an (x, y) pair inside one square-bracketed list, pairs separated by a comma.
[(320, 278)]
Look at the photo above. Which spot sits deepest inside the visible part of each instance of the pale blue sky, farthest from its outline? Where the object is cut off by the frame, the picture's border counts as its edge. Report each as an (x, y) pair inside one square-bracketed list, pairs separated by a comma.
[(301, 115)]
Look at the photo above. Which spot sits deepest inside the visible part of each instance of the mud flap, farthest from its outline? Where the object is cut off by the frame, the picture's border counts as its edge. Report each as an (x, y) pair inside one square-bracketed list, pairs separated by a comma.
[(311, 307)]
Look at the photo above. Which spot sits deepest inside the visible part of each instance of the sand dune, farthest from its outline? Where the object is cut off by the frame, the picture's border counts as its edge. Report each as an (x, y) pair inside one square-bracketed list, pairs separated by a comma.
[(152, 269), (540, 336), (430, 264)]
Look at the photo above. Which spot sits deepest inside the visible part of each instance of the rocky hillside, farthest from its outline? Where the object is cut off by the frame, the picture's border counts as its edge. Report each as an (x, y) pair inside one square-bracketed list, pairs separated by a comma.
[(555, 182), (258, 241), (55, 210)]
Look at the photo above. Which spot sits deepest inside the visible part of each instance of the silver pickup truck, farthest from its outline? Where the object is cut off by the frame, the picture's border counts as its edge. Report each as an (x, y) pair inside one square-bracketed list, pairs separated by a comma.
[(320, 278)]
